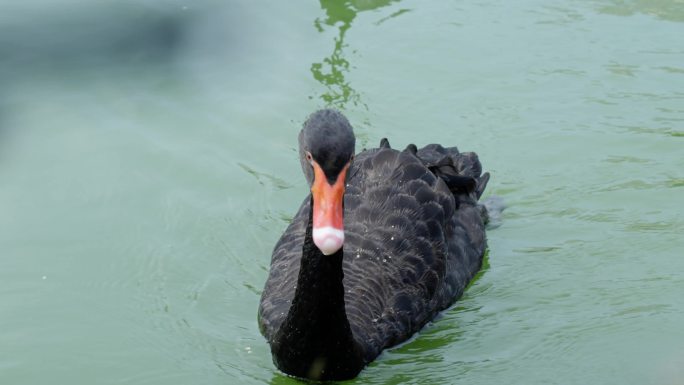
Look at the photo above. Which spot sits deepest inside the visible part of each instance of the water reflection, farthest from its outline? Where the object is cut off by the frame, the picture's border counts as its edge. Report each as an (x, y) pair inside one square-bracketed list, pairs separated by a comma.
[(68, 44), (95, 35), (330, 72)]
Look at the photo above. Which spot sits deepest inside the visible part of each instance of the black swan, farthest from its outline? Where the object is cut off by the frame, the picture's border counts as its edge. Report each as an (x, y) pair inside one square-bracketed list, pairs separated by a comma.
[(393, 238)]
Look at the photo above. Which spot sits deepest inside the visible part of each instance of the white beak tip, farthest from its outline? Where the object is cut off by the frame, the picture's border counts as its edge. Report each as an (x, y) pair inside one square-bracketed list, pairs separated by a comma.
[(328, 239)]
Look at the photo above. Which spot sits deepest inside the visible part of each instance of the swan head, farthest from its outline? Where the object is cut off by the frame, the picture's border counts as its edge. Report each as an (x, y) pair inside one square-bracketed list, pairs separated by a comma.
[(326, 151)]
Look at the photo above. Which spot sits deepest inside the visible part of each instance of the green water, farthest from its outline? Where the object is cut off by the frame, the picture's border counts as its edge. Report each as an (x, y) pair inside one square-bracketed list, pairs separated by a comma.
[(148, 165)]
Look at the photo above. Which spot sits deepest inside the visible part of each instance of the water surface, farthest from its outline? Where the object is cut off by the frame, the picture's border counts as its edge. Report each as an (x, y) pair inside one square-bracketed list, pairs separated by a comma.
[(148, 165)]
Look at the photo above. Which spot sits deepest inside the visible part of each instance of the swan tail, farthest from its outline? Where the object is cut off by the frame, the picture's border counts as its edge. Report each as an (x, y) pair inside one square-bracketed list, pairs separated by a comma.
[(462, 171)]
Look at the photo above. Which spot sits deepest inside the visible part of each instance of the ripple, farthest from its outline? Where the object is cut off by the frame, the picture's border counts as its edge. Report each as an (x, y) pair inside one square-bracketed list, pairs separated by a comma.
[(673, 70), (643, 310), (637, 184), (670, 10), (538, 249), (393, 15), (675, 182), (627, 159), (622, 69), (655, 226), (265, 178)]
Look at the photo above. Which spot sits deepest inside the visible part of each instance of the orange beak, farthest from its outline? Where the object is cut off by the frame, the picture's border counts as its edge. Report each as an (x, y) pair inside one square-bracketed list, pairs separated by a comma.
[(328, 211)]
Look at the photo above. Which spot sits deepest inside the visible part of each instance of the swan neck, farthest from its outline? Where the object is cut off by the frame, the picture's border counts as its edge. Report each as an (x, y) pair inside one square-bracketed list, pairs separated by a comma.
[(315, 340)]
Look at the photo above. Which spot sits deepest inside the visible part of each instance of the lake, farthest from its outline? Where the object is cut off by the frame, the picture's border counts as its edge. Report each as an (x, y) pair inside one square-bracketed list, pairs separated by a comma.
[(148, 165)]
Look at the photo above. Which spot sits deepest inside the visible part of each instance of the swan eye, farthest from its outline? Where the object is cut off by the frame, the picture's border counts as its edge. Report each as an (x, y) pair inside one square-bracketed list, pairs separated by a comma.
[(309, 158)]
